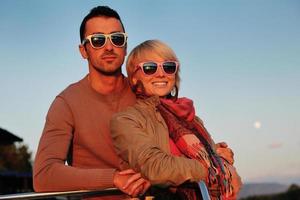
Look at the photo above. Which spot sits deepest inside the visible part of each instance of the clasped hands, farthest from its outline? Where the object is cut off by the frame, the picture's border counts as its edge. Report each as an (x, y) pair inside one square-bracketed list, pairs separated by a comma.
[(131, 182)]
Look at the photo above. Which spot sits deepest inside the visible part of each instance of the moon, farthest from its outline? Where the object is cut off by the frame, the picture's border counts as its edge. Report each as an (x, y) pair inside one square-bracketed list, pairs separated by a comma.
[(257, 125)]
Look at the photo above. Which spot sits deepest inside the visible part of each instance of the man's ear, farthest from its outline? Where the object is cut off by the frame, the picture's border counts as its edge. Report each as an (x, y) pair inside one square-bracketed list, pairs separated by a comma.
[(83, 51)]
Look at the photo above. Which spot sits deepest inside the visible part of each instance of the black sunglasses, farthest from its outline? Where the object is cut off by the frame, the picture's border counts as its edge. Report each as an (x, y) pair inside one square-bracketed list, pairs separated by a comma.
[(150, 67), (98, 40)]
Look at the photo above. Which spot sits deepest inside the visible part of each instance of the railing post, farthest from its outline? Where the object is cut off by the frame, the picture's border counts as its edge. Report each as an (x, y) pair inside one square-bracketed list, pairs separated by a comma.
[(204, 191)]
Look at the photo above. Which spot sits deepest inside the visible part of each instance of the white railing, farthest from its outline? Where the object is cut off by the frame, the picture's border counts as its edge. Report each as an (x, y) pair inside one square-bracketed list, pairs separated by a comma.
[(82, 193)]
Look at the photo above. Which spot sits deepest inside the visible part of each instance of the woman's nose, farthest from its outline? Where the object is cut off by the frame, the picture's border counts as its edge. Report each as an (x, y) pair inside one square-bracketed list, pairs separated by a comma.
[(160, 71)]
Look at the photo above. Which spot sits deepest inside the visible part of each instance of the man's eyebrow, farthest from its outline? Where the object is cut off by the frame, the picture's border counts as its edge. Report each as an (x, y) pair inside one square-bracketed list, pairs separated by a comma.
[(97, 33), (107, 33)]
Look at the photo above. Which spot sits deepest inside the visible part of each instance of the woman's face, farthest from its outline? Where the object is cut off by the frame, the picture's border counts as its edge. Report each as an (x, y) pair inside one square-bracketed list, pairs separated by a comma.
[(159, 83)]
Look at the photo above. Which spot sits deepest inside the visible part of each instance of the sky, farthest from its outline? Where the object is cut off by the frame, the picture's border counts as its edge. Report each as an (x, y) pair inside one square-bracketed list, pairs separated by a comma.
[(240, 63)]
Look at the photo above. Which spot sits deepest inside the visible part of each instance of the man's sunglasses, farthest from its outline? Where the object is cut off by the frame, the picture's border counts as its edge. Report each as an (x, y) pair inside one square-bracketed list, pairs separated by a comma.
[(150, 68), (98, 40)]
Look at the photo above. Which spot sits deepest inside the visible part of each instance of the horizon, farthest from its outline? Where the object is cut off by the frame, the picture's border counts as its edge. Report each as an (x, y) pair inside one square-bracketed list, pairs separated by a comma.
[(239, 60)]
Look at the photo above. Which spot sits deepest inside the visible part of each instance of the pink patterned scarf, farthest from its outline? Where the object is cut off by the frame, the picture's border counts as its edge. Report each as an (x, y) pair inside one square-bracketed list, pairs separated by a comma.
[(193, 140)]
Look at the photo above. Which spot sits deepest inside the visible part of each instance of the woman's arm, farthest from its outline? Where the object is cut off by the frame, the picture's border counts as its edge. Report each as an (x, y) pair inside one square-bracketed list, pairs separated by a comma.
[(138, 147)]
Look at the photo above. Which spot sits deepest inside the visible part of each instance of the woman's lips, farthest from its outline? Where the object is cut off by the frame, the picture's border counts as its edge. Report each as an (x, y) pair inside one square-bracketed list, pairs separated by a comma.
[(160, 83)]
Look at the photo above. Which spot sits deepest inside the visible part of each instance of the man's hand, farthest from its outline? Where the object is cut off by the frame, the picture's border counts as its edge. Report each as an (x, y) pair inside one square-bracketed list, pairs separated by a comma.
[(130, 182), (225, 152)]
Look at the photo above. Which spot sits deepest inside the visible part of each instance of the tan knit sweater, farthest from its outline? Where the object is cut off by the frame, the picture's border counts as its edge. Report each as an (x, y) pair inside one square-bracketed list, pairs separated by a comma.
[(78, 120)]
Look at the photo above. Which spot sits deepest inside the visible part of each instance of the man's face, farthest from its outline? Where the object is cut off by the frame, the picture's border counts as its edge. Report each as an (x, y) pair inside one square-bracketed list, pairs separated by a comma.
[(108, 59)]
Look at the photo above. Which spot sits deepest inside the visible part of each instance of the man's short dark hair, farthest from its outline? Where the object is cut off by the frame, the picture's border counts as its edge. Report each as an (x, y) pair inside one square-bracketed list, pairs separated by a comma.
[(98, 12)]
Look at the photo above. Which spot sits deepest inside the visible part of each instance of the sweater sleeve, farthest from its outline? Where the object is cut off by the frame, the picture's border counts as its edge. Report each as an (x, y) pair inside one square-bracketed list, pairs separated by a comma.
[(50, 173), (139, 148)]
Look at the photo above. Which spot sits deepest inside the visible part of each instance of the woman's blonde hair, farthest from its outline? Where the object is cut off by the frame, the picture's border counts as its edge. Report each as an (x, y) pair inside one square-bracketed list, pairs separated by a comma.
[(140, 54)]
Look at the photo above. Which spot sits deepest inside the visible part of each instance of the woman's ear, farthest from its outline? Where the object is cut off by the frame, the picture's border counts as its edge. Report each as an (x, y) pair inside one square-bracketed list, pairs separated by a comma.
[(83, 52), (134, 80)]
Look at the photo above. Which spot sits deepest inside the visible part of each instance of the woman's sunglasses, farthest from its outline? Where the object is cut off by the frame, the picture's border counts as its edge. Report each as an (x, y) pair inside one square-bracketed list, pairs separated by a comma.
[(150, 67), (98, 40)]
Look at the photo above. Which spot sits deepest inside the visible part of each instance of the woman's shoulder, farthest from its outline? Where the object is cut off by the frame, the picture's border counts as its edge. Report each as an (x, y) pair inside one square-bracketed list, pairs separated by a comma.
[(132, 111), (139, 111)]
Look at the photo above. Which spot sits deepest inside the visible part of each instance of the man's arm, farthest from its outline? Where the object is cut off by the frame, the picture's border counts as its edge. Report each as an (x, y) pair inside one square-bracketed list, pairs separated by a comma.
[(131, 183), (225, 152), (50, 173)]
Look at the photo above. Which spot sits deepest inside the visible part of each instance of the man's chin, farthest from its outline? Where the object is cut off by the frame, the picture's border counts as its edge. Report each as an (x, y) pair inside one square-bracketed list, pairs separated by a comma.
[(110, 72)]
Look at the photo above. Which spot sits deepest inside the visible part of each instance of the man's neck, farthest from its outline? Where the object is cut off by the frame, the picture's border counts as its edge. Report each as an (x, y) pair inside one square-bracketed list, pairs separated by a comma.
[(106, 84)]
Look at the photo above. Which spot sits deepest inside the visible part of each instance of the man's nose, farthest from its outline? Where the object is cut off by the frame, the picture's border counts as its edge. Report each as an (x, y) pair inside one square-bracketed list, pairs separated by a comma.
[(108, 46)]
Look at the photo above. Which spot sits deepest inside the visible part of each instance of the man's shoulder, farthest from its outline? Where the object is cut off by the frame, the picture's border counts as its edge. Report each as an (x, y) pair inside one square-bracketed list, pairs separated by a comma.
[(74, 89)]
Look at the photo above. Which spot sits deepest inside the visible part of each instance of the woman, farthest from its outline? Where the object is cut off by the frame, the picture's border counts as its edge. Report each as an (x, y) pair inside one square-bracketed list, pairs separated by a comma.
[(161, 137)]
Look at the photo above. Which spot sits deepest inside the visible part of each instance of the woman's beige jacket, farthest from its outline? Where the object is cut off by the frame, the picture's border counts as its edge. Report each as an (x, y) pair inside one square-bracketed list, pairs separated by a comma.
[(141, 138)]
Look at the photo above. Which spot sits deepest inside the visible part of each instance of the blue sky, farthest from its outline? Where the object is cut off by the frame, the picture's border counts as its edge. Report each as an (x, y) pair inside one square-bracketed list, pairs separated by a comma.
[(240, 63)]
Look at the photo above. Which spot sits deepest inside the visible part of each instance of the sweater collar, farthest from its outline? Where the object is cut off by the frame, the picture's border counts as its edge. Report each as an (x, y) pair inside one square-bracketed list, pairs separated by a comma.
[(113, 96)]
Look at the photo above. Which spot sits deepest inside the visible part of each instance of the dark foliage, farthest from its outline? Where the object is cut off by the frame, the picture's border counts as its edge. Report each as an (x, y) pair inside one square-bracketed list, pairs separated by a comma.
[(293, 193), (15, 158)]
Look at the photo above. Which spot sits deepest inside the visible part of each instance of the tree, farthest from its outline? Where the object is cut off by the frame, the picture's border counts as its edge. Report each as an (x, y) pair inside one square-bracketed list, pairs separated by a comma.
[(15, 158)]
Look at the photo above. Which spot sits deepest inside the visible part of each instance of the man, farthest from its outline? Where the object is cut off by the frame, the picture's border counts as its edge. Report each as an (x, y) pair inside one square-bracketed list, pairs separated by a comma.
[(77, 123)]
